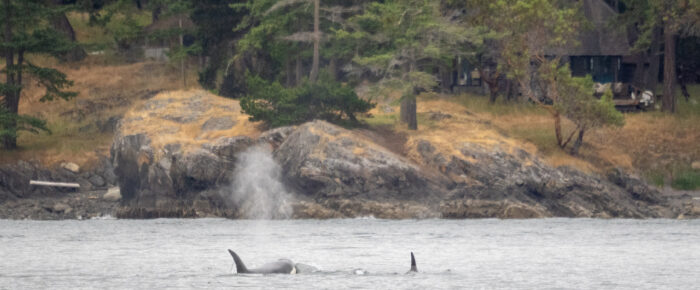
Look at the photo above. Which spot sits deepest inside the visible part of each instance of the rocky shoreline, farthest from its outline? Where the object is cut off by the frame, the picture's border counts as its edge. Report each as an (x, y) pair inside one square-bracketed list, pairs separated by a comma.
[(326, 172), (337, 173), (98, 202), (20, 200)]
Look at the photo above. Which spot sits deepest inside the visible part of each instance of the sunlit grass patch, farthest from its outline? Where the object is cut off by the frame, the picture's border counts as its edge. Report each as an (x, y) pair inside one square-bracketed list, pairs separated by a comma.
[(91, 37), (105, 91), (97, 38), (65, 143), (500, 107), (381, 119)]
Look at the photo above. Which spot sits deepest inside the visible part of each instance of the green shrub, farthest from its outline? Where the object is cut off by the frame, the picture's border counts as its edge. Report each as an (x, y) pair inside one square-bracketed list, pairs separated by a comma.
[(324, 99), (11, 124), (686, 180)]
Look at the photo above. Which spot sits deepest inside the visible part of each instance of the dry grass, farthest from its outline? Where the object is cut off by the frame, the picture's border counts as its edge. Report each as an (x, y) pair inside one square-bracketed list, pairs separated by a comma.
[(448, 135), (103, 91), (156, 121), (658, 145), (97, 38), (650, 143)]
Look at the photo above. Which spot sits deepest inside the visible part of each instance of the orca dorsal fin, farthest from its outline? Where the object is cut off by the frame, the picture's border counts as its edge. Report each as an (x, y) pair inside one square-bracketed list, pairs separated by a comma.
[(413, 264), (240, 267)]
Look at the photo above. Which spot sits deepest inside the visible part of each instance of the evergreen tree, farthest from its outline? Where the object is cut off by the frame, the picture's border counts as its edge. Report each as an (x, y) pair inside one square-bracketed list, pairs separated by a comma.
[(528, 29), (577, 103), (266, 49), (676, 18), (324, 99), (214, 35), (401, 41), (25, 32)]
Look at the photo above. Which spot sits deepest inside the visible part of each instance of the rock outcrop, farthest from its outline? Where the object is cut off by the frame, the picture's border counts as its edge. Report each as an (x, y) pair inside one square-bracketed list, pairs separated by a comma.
[(177, 155), (336, 172), (321, 160), (518, 184), (14, 178)]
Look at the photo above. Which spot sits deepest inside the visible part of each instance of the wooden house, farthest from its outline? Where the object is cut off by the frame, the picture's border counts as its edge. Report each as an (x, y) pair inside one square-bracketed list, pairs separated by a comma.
[(599, 50)]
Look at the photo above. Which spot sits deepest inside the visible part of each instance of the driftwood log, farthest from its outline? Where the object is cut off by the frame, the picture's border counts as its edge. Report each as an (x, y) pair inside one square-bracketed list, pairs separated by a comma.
[(56, 184)]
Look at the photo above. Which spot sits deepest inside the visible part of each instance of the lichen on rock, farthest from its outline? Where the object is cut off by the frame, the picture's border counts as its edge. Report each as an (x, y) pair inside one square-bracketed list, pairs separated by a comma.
[(334, 172)]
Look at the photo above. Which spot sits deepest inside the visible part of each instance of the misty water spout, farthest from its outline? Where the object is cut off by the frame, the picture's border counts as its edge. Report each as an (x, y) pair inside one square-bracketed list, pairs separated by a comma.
[(257, 190)]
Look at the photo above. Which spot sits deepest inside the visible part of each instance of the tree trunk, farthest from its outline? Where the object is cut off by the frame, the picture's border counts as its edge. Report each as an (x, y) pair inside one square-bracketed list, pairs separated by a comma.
[(317, 42), (333, 69), (640, 75), (11, 97), (684, 91), (510, 91), (61, 24), (669, 98), (408, 112), (654, 61), (557, 129), (182, 61), (18, 77), (579, 142), (408, 105), (298, 70), (493, 92), (290, 73), (491, 80), (403, 111), (155, 14), (445, 81)]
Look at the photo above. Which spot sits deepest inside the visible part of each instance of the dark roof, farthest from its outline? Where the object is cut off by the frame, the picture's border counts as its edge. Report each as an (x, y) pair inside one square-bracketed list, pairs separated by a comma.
[(601, 38)]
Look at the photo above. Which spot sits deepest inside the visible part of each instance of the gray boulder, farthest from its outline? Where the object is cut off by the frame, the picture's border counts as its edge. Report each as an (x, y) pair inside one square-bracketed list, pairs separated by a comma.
[(173, 176), (492, 174), (227, 148), (341, 173), (218, 123), (62, 208), (112, 194), (131, 156), (276, 136), (322, 160), (72, 167)]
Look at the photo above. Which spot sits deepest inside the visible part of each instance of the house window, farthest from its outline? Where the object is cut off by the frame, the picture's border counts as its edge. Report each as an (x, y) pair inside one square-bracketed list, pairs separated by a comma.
[(601, 68)]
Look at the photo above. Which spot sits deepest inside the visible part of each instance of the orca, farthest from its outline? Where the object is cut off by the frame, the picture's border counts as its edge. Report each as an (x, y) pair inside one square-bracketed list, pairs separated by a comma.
[(282, 266), (286, 266), (413, 264)]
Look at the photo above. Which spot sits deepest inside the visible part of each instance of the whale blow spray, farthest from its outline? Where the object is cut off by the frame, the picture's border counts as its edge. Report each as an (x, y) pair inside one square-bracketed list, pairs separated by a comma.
[(257, 190)]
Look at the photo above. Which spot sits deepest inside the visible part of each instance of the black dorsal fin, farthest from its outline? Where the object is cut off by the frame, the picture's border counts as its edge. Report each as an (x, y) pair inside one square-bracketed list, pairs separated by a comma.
[(240, 267), (413, 264)]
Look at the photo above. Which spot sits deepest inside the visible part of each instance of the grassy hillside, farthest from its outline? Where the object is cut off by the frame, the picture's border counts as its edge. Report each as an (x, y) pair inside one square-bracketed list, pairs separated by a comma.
[(659, 146), (79, 126)]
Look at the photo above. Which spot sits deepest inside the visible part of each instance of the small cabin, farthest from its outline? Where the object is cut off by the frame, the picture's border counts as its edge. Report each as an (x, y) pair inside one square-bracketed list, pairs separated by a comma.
[(601, 48), (602, 51)]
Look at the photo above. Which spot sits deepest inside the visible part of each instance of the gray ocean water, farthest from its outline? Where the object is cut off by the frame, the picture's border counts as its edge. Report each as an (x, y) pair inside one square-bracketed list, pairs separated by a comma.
[(357, 253)]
